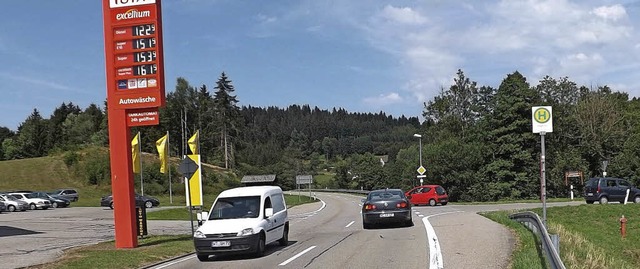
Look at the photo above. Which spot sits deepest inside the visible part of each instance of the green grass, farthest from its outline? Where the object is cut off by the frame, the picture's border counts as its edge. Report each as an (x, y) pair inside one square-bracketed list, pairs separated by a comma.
[(589, 236), (104, 255)]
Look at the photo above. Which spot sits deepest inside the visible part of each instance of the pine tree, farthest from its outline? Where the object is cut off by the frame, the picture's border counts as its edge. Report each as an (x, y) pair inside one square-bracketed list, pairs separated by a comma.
[(228, 117)]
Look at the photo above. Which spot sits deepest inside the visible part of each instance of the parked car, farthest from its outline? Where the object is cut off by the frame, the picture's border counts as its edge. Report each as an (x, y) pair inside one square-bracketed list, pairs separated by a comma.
[(33, 201), (141, 200), (428, 194), (606, 189), (386, 206), (69, 194), (55, 201), (13, 204)]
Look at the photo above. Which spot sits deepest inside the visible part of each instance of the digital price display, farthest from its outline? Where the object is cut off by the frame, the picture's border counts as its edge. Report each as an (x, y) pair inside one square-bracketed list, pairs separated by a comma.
[(134, 52)]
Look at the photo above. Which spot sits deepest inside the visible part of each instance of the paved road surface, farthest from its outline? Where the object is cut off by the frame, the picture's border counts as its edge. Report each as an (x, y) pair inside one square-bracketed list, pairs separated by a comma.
[(328, 236)]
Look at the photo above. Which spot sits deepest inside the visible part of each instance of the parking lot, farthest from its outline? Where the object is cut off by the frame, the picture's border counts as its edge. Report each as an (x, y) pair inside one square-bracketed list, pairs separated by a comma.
[(38, 236)]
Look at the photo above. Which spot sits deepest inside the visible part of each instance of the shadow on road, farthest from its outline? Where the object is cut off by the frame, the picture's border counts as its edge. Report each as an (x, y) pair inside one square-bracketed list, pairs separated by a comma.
[(13, 231), (269, 250)]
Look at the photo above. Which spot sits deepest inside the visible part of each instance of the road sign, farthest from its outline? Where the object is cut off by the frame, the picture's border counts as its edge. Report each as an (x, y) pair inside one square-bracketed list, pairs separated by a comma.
[(541, 119), (421, 170), (187, 167), (422, 176), (193, 184), (134, 54)]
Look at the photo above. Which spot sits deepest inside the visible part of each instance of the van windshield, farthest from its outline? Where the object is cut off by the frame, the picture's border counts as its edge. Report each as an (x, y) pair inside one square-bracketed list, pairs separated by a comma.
[(236, 208)]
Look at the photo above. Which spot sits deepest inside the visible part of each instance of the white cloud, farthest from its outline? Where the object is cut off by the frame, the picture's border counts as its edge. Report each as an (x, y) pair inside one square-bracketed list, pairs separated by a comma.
[(40, 82), (264, 19), (613, 13), (403, 15), (383, 99)]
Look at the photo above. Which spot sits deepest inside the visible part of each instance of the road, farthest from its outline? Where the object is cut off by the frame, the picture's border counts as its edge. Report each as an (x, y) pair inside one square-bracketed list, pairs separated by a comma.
[(331, 236), (326, 234)]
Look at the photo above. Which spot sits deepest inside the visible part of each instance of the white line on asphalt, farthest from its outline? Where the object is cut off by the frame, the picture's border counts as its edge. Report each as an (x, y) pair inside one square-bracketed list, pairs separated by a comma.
[(435, 255), (420, 215), (297, 255), (349, 224), (174, 262)]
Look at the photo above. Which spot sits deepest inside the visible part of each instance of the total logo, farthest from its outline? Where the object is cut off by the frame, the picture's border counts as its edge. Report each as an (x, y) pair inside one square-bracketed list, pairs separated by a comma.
[(133, 14), (122, 84)]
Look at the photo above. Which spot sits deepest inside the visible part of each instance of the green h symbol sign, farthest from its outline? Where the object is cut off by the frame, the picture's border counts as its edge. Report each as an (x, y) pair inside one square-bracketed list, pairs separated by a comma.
[(542, 115)]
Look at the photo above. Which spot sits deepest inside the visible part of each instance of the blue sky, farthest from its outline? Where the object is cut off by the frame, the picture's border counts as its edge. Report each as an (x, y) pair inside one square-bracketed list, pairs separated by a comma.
[(362, 55)]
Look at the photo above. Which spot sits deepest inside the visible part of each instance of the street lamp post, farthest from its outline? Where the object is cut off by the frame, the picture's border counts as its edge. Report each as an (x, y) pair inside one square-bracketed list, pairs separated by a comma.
[(420, 152), (420, 141)]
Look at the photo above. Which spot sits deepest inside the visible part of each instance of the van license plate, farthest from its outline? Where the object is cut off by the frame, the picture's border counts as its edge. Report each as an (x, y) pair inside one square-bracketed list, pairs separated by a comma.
[(590, 194), (386, 215), (217, 244)]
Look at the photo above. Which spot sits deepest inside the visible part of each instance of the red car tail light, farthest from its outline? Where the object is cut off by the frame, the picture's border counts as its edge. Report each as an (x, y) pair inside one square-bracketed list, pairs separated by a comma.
[(369, 207), (401, 205)]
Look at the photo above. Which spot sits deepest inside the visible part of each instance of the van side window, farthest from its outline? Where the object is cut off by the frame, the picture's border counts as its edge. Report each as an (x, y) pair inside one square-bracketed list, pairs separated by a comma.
[(278, 202), (267, 203), (624, 184), (611, 183)]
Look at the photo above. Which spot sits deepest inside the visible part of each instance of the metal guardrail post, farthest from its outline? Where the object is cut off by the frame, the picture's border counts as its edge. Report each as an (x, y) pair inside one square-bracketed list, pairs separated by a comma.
[(551, 249)]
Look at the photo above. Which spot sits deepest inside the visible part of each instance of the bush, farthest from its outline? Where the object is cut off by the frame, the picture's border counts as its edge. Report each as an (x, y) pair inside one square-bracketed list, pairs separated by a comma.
[(70, 158)]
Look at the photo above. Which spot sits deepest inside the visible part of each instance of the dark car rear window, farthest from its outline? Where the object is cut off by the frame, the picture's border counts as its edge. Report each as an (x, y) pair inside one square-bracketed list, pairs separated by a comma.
[(593, 183), (385, 195)]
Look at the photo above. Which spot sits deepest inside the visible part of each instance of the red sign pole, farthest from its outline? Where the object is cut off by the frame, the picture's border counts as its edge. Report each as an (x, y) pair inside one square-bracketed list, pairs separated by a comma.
[(135, 91)]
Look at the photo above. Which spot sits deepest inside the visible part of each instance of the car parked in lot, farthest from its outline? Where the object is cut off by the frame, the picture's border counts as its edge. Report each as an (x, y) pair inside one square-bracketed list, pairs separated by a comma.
[(55, 201), (141, 200), (428, 195), (33, 201), (610, 189), (386, 206), (69, 194), (13, 204)]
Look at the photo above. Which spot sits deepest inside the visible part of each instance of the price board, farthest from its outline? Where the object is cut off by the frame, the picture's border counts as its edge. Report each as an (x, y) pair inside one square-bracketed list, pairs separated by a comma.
[(133, 50)]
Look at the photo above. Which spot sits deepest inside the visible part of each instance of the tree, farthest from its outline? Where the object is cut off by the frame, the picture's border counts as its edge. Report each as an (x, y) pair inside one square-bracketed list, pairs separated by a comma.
[(228, 116), (32, 136), (602, 127), (513, 154)]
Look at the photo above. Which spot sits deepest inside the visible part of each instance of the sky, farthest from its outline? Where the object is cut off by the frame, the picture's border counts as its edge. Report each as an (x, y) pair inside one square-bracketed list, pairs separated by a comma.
[(360, 55)]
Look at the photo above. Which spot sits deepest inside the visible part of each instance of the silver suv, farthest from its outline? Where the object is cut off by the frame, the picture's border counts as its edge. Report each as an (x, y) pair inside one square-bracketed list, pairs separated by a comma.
[(69, 194)]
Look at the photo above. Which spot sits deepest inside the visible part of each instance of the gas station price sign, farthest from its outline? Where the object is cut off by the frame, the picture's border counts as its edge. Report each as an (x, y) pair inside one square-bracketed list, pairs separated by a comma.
[(133, 48)]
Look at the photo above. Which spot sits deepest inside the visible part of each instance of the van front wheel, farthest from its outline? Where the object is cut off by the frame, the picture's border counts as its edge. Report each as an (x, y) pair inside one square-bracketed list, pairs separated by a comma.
[(260, 246)]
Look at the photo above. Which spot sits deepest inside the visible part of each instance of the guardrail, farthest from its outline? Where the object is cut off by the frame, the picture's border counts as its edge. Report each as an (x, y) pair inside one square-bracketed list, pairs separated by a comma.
[(532, 221), (336, 190)]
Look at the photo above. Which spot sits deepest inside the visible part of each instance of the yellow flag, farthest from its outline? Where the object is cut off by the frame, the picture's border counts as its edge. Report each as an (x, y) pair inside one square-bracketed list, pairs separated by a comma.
[(135, 153), (161, 145), (193, 143)]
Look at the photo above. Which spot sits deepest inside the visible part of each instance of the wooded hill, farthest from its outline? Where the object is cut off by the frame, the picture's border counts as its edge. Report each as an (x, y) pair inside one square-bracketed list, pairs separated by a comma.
[(476, 140)]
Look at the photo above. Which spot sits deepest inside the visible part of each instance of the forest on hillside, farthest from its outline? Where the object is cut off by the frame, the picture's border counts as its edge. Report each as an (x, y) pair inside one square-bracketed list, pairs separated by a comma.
[(476, 140)]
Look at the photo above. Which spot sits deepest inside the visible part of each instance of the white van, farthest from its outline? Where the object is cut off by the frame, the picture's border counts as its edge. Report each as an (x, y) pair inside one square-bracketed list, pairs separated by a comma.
[(243, 220)]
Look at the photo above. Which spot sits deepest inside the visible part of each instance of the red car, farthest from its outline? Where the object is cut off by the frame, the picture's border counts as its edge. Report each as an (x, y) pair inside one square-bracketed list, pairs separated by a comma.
[(428, 194)]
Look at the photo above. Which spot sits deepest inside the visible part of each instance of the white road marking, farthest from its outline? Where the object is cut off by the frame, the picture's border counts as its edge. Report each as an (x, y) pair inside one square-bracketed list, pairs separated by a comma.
[(349, 224), (420, 215), (297, 255), (435, 255)]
